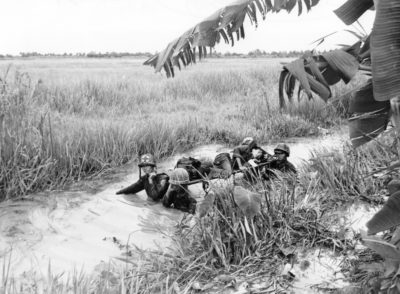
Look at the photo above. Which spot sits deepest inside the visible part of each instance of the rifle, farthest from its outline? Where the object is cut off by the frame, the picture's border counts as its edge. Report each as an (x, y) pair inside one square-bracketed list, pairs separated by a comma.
[(205, 183), (258, 165)]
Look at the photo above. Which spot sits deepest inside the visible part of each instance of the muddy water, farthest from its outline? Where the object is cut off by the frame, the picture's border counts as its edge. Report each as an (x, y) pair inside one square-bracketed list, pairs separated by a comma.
[(78, 230)]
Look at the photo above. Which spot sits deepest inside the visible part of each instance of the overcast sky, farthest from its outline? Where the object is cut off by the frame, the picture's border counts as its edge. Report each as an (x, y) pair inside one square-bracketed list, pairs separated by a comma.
[(142, 25)]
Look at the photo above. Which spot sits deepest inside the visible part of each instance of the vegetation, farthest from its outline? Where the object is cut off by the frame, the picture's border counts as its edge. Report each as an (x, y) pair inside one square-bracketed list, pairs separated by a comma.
[(231, 242), (92, 54), (271, 222), (54, 131)]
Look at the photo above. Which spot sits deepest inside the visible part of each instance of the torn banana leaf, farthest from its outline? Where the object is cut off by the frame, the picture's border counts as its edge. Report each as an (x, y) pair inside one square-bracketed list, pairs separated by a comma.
[(386, 218)]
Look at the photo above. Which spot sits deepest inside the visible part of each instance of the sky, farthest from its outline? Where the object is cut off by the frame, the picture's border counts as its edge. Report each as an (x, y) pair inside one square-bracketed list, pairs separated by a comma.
[(73, 26)]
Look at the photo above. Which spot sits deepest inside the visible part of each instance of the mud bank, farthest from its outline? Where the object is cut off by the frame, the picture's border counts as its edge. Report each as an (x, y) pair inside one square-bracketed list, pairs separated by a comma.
[(78, 230)]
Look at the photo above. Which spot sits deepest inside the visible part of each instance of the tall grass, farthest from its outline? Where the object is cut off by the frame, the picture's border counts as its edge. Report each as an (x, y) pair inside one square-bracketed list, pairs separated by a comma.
[(348, 174), (61, 122)]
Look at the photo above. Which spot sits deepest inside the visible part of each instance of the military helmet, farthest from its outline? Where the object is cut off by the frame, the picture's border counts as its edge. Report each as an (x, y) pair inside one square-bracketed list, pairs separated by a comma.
[(283, 147), (147, 160), (179, 176)]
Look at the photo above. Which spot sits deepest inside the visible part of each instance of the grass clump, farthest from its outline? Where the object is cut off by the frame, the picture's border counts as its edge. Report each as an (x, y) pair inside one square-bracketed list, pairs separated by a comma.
[(348, 174)]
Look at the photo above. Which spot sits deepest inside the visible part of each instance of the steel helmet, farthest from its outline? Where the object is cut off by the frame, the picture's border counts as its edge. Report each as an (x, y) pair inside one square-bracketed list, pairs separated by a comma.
[(179, 176), (147, 160), (248, 141), (283, 147)]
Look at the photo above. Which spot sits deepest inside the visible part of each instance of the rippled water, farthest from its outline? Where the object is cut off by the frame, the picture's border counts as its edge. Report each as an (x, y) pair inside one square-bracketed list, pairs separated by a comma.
[(74, 230)]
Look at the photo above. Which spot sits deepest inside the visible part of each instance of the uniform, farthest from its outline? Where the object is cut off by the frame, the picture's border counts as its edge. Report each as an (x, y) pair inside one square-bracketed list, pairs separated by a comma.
[(178, 195), (155, 185), (155, 190)]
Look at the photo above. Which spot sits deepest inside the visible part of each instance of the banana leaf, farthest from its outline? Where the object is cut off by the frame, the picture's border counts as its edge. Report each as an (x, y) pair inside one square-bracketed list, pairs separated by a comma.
[(385, 50), (221, 25), (296, 68), (207, 204), (343, 63), (386, 218), (394, 185), (282, 81), (363, 101), (384, 249), (322, 90), (370, 116), (249, 202), (351, 10), (364, 128)]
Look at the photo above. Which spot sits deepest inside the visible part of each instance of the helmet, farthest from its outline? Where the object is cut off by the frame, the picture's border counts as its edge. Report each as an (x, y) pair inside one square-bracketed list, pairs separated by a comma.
[(147, 160), (179, 176), (283, 147), (248, 141)]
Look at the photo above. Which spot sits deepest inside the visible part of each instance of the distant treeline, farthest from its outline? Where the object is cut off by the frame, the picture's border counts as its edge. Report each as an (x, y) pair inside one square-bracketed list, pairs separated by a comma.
[(253, 53)]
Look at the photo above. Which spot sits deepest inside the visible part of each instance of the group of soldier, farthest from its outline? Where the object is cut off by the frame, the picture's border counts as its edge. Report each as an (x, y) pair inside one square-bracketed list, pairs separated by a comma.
[(172, 190)]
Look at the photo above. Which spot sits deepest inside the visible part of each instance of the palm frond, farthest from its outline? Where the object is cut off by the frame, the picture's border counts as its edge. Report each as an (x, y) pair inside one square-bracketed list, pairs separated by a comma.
[(224, 24)]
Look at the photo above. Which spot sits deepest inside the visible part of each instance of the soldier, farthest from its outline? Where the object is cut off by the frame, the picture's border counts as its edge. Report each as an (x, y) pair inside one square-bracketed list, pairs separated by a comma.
[(279, 161), (156, 185), (178, 195), (222, 166), (243, 153)]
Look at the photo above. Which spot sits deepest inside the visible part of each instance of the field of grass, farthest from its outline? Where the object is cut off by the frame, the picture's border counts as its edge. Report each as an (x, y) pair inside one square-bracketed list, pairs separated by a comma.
[(65, 119)]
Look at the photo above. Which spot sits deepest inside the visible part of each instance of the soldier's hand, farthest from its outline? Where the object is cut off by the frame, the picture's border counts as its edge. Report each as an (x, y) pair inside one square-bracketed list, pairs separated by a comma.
[(225, 174)]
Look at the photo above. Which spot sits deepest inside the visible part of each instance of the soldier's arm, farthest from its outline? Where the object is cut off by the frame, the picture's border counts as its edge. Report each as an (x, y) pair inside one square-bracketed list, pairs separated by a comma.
[(292, 168), (158, 187), (167, 200), (237, 156), (134, 188), (164, 183)]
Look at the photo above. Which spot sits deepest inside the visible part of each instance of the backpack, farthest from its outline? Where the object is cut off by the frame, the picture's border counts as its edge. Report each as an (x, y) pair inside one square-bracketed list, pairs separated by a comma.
[(192, 166)]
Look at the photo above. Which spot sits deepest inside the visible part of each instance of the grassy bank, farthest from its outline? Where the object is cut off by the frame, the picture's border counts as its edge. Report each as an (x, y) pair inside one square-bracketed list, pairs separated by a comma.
[(63, 120)]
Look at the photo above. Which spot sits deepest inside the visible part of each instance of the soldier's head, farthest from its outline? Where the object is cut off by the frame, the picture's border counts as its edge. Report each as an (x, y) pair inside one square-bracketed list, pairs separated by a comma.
[(250, 142), (147, 163), (257, 153), (282, 151), (179, 177), (178, 180)]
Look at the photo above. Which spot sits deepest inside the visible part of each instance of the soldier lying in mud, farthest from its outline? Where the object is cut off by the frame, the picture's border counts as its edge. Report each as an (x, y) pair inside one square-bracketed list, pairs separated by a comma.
[(178, 195), (254, 161), (155, 185), (172, 190)]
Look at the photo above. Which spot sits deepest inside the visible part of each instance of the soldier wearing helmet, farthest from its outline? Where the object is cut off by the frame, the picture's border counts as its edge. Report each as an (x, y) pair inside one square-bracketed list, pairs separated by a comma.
[(280, 162), (178, 195), (248, 154), (243, 153), (155, 184)]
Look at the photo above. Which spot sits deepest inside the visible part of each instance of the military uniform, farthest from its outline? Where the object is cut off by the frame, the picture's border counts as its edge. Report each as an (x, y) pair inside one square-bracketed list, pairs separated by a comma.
[(282, 166), (243, 153), (155, 185), (222, 166), (178, 196), (155, 189), (280, 163)]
